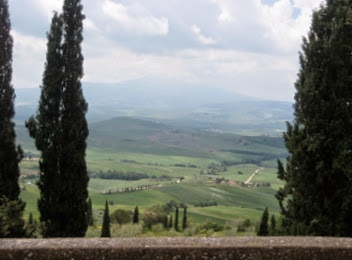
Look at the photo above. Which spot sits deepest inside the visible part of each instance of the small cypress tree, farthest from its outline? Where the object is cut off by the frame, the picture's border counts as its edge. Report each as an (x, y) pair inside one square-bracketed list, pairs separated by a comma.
[(170, 222), (263, 226), (105, 231), (30, 219), (166, 226), (90, 218), (272, 225), (136, 215), (176, 219), (184, 222)]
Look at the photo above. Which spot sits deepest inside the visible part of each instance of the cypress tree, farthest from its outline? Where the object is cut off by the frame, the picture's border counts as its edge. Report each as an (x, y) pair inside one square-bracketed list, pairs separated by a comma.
[(184, 221), (170, 223), (30, 219), (165, 222), (60, 129), (9, 155), (272, 225), (263, 226), (136, 215), (105, 231), (46, 131), (74, 124), (317, 196), (176, 219), (90, 218)]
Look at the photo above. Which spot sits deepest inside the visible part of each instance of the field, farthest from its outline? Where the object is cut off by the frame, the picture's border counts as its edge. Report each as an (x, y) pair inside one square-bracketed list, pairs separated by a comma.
[(178, 165)]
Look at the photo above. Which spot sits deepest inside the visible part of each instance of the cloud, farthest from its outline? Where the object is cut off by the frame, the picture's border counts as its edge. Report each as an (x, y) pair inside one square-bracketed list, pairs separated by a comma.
[(135, 18), (201, 38), (282, 26), (249, 73), (251, 47), (47, 7), (28, 60), (278, 26)]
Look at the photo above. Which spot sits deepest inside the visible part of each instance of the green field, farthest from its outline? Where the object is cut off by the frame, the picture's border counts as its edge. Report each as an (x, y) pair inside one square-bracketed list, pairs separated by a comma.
[(130, 145)]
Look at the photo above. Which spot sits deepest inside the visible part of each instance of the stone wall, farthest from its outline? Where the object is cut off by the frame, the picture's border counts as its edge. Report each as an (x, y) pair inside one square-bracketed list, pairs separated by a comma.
[(178, 248)]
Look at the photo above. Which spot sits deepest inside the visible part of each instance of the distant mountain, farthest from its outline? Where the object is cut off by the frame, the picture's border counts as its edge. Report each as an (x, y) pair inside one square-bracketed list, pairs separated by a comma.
[(190, 106)]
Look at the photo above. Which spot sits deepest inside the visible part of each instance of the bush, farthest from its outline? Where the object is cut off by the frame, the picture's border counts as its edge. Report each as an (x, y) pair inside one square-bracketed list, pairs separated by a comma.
[(121, 216), (243, 225), (11, 218), (154, 215), (210, 226)]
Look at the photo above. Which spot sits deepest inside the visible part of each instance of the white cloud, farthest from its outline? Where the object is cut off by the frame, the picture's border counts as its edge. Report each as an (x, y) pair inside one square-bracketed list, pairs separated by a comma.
[(243, 72), (251, 47), (201, 38), (275, 23), (136, 19), (48, 6), (28, 59), (225, 12), (281, 27), (90, 25)]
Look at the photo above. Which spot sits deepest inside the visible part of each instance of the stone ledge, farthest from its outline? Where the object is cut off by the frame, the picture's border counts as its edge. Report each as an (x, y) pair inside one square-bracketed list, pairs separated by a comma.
[(178, 248)]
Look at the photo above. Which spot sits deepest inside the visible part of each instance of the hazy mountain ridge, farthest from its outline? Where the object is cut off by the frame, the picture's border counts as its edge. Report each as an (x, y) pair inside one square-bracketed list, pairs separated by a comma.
[(131, 135), (187, 106)]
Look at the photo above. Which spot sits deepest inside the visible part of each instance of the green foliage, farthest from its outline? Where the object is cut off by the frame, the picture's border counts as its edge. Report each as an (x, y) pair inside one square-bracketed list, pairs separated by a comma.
[(90, 219), (166, 224), (209, 227), (105, 231), (206, 204), (170, 222), (243, 225), (9, 155), (11, 218), (153, 215), (115, 175), (60, 129), (317, 196), (30, 219), (184, 220), (176, 219), (272, 230), (263, 229), (136, 215), (121, 216)]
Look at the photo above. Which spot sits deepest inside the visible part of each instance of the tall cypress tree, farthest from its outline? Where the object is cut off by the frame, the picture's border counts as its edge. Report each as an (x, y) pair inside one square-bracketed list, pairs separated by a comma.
[(60, 129), (46, 130), (317, 196), (73, 121), (9, 155)]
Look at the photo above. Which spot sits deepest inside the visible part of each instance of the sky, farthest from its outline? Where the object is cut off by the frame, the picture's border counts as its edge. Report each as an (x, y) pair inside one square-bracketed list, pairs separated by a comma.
[(248, 46)]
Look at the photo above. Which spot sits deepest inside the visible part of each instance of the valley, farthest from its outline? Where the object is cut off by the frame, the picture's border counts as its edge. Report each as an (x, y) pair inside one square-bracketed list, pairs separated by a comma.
[(191, 167)]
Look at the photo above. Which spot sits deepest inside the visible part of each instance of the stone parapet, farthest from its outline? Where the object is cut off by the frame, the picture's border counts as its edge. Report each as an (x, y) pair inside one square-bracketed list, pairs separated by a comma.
[(178, 248)]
